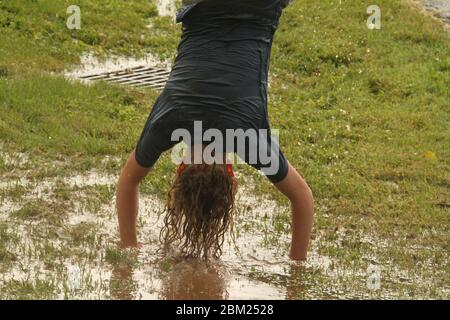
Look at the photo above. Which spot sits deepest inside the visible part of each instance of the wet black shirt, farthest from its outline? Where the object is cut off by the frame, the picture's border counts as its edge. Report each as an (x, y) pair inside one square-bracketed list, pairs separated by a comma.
[(220, 73)]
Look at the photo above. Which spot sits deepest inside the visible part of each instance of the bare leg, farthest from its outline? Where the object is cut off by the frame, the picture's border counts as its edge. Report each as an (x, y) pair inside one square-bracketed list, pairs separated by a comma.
[(127, 200), (297, 190)]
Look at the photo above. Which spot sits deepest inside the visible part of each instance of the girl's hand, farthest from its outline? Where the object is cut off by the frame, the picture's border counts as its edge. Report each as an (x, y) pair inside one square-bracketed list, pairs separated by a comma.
[(129, 245), (296, 257)]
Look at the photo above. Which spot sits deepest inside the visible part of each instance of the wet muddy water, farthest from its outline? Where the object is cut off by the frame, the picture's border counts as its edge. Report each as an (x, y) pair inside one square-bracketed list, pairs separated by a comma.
[(152, 275), (441, 8), (78, 258)]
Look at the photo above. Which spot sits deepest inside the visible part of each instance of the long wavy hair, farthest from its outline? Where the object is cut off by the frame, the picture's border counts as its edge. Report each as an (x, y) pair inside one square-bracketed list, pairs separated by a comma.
[(199, 211)]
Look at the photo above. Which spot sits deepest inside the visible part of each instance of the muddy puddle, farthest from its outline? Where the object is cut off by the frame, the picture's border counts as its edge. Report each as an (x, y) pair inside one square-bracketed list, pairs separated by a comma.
[(100, 270), (56, 250), (76, 256), (440, 8)]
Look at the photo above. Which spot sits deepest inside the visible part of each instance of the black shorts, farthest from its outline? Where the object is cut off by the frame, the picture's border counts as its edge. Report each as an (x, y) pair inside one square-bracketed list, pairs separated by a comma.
[(254, 146)]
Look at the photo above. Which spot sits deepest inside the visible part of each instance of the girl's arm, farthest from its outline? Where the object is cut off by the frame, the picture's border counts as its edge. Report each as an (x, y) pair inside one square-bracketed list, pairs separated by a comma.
[(127, 200), (302, 203)]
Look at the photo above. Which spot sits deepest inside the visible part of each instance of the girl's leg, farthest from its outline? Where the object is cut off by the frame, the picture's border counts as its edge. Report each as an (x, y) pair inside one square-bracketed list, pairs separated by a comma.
[(127, 200), (302, 203)]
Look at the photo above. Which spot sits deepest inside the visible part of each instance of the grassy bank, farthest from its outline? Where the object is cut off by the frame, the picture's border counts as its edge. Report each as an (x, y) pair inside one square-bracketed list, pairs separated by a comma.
[(364, 115)]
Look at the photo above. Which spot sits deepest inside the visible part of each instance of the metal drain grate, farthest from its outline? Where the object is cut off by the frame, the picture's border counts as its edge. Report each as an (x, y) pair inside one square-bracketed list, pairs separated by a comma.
[(141, 76)]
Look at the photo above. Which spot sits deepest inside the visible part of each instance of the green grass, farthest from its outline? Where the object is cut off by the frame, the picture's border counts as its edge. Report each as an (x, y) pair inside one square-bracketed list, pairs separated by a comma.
[(362, 114), (49, 211), (109, 26), (29, 290), (118, 257)]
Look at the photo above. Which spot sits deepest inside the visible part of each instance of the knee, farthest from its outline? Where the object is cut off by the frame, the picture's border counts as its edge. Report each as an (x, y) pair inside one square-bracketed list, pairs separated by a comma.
[(301, 191), (295, 187), (307, 190)]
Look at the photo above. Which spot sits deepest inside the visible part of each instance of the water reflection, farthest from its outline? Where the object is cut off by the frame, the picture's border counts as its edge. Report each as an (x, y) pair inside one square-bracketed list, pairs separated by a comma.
[(187, 279), (184, 280), (194, 280), (121, 285), (295, 285)]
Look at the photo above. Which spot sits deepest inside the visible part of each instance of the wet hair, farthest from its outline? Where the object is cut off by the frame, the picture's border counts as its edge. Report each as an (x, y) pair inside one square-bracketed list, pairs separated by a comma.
[(199, 211)]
